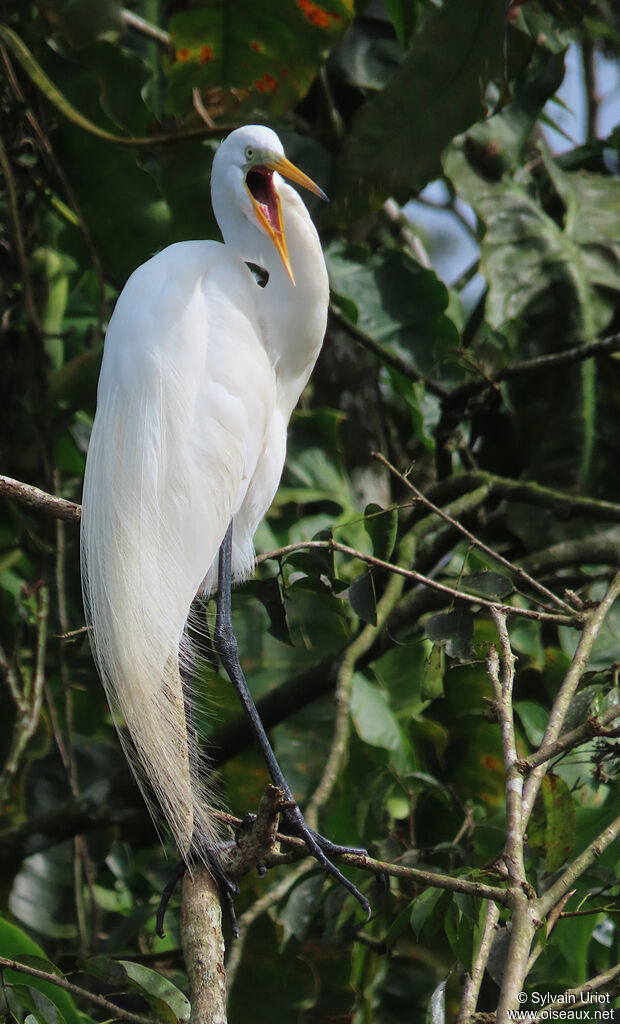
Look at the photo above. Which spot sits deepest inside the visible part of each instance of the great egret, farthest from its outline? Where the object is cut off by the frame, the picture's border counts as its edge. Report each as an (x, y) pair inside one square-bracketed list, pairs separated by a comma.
[(201, 371)]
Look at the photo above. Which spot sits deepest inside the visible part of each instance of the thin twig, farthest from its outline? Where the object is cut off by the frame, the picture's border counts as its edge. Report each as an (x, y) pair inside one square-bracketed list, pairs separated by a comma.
[(524, 576), (473, 981), (111, 1009), (29, 698), (385, 355), (595, 726), (599, 347), (418, 577), (576, 868), (145, 28), (593, 622), (18, 238)]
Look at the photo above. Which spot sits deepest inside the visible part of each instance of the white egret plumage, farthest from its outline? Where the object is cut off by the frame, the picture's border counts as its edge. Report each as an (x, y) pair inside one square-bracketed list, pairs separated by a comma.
[(201, 371)]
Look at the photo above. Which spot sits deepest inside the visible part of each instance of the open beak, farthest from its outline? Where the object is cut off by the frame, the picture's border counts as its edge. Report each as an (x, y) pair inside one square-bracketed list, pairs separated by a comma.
[(267, 204)]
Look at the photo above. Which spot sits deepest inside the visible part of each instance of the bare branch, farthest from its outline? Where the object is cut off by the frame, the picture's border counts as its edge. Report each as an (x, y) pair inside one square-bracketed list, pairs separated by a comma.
[(522, 929), (418, 577), (593, 622), (595, 726), (145, 28), (115, 1012), (203, 947), (385, 355), (517, 570), (577, 868), (40, 501), (473, 981)]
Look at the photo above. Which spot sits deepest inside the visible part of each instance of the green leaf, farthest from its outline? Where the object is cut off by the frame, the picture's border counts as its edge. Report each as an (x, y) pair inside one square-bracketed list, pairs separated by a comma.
[(455, 629), (269, 594), (404, 17), (16, 945), (168, 1003), (258, 54), (399, 303), (301, 907), (42, 1009), (437, 92), (533, 718), (52, 93), (552, 830), (432, 679), (492, 585), (372, 716), (362, 598), (423, 907), (381, 525), (165, 998)]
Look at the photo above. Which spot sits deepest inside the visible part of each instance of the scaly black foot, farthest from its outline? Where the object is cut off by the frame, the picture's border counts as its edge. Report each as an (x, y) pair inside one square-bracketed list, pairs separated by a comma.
[(226, 888), (322, 849)]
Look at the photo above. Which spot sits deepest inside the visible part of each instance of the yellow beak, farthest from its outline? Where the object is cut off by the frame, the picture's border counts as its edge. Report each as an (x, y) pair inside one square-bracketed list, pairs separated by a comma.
[(275, 226)]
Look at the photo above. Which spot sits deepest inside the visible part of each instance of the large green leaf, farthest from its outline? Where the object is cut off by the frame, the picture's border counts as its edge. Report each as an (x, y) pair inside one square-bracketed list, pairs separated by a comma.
[(396, 301), (255, 54), (15, 944), (396, 139), (372, 715), (552, 826), (165, 999), (527, 257)]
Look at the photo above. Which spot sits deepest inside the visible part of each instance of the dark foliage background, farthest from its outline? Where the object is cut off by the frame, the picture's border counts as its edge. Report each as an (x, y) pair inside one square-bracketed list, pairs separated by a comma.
[(104, 160)]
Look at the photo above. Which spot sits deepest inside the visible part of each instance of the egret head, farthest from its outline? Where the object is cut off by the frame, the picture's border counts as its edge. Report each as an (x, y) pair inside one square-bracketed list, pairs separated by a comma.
[(250, 161)]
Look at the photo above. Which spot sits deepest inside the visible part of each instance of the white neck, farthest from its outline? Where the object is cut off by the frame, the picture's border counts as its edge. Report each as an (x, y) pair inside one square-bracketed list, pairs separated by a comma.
[(293, 317)]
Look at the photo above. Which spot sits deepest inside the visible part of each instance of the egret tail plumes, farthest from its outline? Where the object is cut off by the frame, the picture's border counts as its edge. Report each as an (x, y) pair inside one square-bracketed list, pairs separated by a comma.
[(200, 373)]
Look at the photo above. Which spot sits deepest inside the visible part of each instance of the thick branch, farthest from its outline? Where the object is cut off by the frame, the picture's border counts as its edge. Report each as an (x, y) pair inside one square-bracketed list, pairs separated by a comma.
[(203, 947), (41, 501)]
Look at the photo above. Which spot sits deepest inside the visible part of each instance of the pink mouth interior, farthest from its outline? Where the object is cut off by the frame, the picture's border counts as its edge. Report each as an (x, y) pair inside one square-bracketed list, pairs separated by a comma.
[(259, 181)]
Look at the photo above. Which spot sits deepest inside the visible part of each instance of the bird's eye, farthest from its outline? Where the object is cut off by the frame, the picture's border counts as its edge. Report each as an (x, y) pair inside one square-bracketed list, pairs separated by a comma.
[(249, 153)]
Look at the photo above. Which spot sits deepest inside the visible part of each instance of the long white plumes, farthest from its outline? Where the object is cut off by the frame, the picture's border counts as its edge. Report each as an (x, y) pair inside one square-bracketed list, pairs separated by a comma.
[(200, 372), (158, 497)]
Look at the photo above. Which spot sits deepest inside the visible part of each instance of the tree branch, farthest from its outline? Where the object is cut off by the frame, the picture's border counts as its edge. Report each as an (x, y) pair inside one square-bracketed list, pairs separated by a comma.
[(40, 501), (574, 870), (522, 930), (203, 947), (517, 570), (110, 1009), (593, 622), (595, 726), (473, 981)]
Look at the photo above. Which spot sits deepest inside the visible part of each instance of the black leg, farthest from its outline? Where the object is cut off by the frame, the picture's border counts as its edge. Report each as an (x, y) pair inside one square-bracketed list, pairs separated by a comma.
[(226, 646)]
